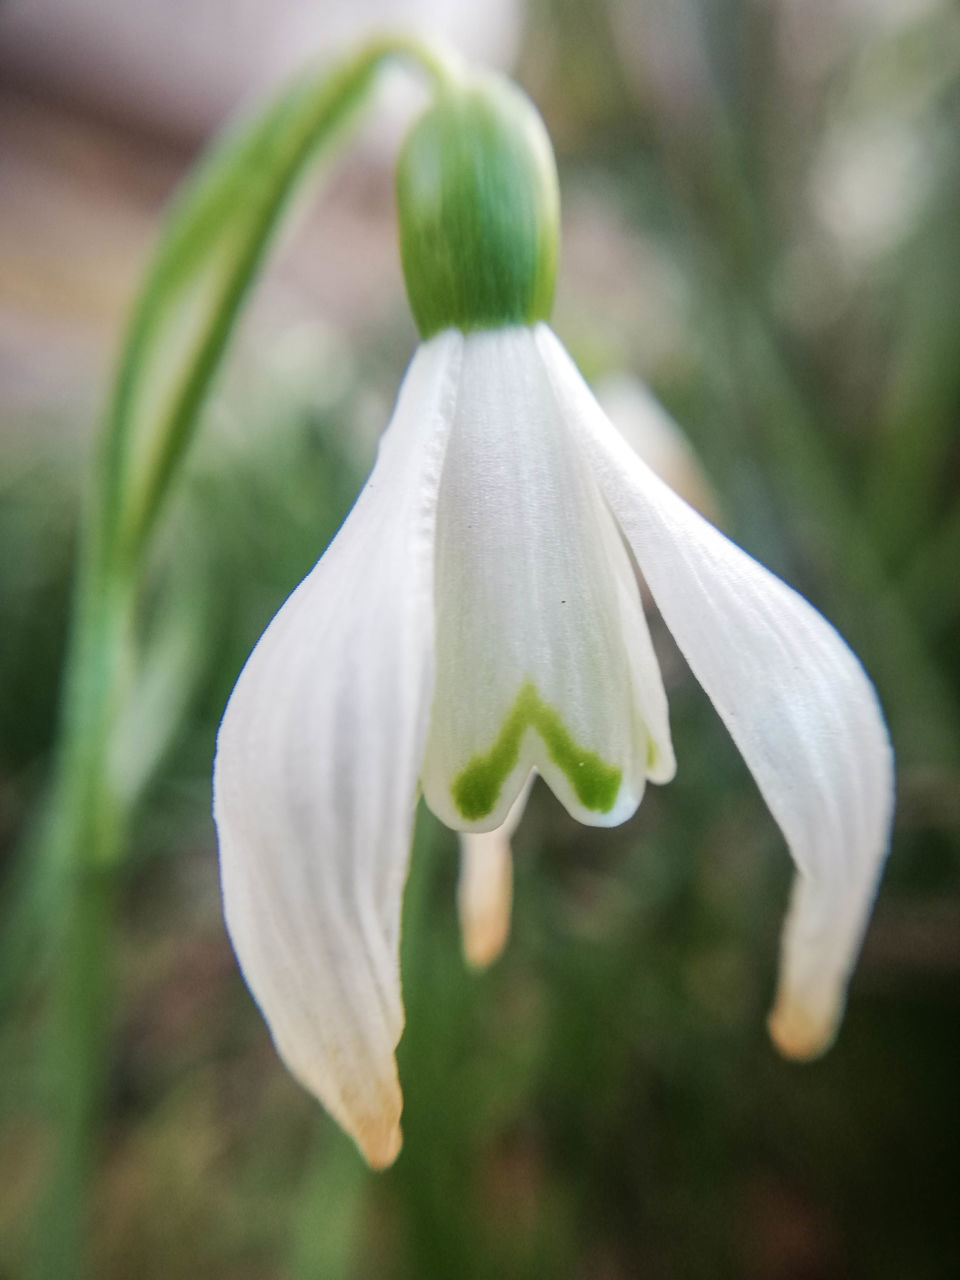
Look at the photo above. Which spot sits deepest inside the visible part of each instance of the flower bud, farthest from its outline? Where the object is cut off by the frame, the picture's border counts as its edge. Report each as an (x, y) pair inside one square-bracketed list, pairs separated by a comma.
[(479, 210)]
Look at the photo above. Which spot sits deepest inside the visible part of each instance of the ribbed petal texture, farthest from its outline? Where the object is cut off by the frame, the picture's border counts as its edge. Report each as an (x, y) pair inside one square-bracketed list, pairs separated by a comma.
[(794, 697), (315, 782)]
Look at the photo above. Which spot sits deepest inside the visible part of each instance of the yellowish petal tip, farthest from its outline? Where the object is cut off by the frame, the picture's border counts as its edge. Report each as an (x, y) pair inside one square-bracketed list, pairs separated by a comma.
[(799, 1034), (376, 1128), (381, 1148), (485, 939)]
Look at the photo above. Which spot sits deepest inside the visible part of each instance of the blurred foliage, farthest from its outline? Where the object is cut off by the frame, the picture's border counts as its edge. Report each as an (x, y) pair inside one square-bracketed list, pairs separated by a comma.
[(770, 195)]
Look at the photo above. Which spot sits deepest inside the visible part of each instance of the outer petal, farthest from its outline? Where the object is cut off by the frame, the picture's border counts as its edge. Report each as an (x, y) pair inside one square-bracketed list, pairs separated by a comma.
[(543, 655), (485, 889), (795, 699), (315, 780)]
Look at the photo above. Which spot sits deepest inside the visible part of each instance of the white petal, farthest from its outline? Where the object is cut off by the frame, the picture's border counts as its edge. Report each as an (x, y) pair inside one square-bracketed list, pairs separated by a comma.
[(543, 656), (315, 780), (795, 699), (485, 888)]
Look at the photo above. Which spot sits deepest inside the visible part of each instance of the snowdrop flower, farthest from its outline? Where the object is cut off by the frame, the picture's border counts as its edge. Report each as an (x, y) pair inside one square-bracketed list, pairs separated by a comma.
[(477, 618)]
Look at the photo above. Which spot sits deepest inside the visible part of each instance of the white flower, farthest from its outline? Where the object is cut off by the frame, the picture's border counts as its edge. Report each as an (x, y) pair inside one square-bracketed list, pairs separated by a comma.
[(477, 618)]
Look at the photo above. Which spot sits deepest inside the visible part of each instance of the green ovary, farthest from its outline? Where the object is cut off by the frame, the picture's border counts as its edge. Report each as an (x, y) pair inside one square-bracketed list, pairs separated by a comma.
[(477, 789)]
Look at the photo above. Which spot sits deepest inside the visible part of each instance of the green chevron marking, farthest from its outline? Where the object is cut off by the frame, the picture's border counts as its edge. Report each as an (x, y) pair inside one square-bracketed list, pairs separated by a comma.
[(477, 789)]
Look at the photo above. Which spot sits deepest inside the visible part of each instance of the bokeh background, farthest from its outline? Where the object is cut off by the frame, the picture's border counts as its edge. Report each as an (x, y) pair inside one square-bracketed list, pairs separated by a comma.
[(761, 220)]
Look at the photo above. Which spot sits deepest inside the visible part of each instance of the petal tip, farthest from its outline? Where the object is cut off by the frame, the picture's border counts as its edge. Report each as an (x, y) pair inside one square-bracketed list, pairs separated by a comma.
[(484, 942), (380, 1144), (661, 763), (377, 1131), (366, 1101), (800, 1034)]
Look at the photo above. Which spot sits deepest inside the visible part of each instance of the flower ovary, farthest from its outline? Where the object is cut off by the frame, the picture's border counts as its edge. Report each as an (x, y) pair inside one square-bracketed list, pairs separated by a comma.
[(478, 204)]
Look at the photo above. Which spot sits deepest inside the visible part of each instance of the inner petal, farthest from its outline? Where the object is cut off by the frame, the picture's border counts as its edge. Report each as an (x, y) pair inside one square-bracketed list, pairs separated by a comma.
[(543, 659)]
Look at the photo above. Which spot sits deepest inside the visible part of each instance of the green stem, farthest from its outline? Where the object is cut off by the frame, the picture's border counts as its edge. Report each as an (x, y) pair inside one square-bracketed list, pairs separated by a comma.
[(79, 861), (293, 135), (76, 1068), (214, 247)]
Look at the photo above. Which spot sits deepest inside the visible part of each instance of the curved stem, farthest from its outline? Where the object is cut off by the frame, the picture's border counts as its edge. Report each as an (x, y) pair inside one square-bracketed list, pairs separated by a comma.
[(242, 190)]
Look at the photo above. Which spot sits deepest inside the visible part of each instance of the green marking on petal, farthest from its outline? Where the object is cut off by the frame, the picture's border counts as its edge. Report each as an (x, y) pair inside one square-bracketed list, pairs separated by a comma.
[(477, 789)]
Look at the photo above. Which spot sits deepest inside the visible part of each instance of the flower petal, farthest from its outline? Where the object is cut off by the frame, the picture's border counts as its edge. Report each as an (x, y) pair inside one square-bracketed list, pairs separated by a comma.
[(795, 699), (543, 656), (315, 781), (485, 888)]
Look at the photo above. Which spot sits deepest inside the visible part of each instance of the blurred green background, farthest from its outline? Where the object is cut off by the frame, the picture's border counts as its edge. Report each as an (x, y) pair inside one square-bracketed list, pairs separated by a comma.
[(761, 219)]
